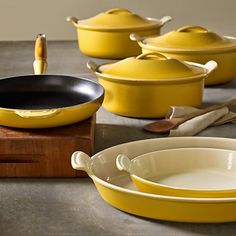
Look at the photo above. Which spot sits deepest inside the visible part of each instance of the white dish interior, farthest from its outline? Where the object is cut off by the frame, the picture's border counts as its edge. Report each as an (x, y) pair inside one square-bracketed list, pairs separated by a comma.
[(105, 170), (188, 168)]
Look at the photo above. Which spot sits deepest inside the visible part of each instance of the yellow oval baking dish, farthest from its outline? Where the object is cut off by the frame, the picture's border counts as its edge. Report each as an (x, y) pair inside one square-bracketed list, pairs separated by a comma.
[(117, 189), (183, 172)]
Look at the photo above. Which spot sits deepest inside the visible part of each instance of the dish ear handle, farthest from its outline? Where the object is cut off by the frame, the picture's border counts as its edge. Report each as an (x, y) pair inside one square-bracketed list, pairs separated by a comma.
[(123, 163), (81, 161)]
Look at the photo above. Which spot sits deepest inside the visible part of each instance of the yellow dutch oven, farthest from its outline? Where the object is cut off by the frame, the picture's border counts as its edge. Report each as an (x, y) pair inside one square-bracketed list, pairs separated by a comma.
[(147, 85), (106, 35), (197, 44)]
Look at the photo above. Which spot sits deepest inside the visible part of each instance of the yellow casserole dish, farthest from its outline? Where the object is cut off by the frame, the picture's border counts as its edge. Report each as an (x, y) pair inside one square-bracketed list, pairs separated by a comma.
[(106, 35), (147, 85), (197, 44)]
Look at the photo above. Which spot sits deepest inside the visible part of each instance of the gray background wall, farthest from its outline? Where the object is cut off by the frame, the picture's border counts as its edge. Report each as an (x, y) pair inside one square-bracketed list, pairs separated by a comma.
[(23, 19)]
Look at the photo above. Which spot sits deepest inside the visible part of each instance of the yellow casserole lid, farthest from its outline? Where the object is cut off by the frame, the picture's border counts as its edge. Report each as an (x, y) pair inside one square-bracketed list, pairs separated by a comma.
[(154, 66), (120, 18), (192, 38)]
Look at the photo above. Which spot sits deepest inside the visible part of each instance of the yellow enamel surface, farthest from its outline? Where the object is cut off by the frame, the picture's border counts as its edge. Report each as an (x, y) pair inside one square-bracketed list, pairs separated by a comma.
[(150, 100), (63, 116), (170, 210), (114, 44)]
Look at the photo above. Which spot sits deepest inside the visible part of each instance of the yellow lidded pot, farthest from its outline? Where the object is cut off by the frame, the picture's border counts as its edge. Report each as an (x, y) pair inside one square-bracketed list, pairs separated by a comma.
[(106, 35), (147, 85), (197, 44)]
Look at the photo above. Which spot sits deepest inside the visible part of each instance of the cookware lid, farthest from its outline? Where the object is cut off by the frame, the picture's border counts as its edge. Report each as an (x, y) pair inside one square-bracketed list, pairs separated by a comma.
[(118, 18), (192, 38), (150, 66)]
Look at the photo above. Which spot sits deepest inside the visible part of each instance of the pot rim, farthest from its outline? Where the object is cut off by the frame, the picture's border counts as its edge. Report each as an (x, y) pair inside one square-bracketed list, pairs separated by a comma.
[(156, 25), (192, 51), (155, 81)]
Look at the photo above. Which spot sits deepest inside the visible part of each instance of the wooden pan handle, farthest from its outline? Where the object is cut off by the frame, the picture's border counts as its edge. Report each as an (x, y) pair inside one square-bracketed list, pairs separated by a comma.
[(40, 55), (40, 51)]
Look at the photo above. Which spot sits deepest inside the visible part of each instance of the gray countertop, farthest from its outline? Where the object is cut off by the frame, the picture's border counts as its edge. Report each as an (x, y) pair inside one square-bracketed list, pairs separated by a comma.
[(73, 206)]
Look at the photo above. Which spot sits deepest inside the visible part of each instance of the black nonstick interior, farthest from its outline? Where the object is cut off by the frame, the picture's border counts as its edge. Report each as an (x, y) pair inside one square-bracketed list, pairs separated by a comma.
[(46, 91)]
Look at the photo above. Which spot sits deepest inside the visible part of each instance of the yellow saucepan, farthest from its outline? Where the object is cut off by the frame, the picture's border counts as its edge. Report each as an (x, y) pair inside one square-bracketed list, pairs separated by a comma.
[(147, 85), (43, 101), (106, 35), (117, 188), (196, 44)]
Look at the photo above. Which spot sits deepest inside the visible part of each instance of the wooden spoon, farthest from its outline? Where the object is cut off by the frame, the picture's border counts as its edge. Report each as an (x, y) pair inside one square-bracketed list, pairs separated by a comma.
[(165, 125)]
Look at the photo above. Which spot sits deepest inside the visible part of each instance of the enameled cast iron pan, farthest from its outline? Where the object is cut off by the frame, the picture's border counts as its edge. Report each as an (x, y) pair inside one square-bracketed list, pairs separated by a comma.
[(43, 101)]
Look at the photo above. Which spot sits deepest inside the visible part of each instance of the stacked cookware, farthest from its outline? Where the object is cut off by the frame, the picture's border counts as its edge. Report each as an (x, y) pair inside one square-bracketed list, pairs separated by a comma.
[(152, 72)]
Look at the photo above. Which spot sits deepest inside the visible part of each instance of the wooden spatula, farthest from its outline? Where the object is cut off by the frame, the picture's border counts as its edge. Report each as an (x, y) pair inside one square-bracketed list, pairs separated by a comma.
[(165, 125)]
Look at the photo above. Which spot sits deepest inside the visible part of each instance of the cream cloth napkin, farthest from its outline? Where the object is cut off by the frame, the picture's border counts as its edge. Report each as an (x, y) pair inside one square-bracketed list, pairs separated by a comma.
[(199, 123)]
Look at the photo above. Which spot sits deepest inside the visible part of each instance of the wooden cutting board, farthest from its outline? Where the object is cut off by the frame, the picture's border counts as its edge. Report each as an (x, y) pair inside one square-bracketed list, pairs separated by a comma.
[(44, 152)]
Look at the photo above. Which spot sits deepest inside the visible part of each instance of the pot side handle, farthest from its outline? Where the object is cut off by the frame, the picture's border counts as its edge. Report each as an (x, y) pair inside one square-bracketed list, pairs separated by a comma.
[(161, 22), (210, 66), (92, 66), (123, 163), (30, 114), (136, 37), (81, 161), (73, 20), (164, 20)]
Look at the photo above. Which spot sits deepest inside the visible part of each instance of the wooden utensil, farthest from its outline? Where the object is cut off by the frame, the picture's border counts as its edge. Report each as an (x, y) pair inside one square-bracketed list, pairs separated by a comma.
[(165, 125)]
